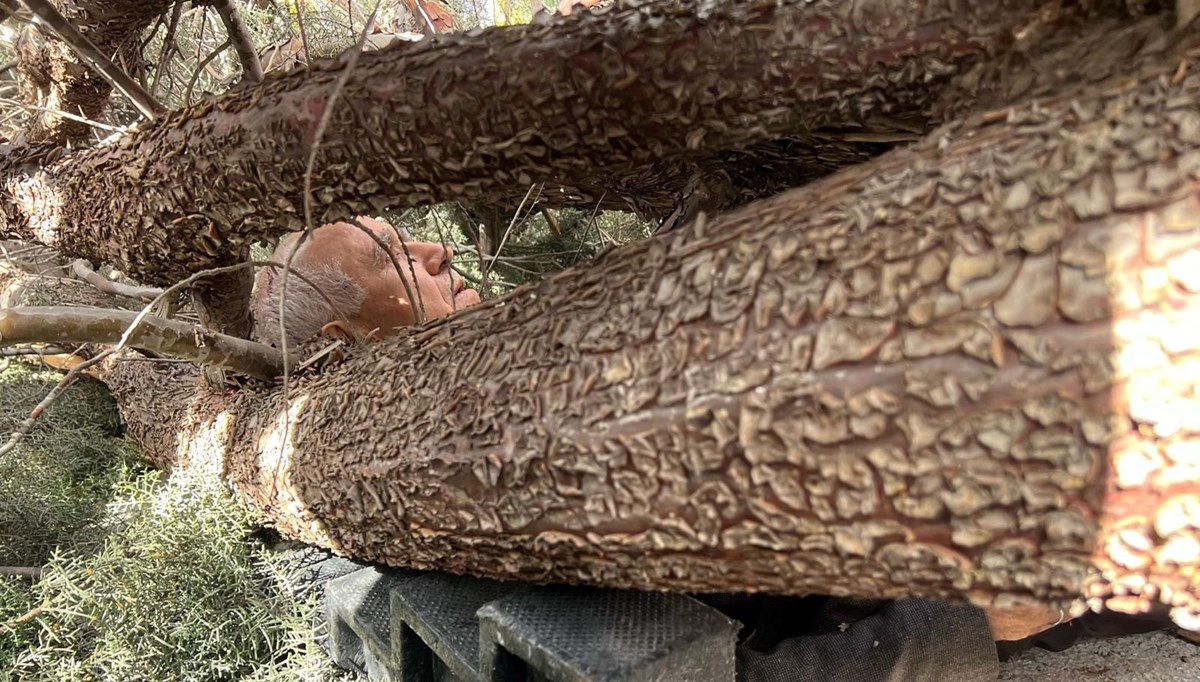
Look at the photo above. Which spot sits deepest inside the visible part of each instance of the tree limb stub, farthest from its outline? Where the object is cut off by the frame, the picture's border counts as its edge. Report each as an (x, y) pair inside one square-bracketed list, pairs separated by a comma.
[(435, 120), (969, 368), (65, 326)]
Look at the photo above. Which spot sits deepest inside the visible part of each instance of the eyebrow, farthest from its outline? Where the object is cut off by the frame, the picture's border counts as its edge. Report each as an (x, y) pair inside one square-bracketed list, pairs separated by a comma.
[(380, 255)]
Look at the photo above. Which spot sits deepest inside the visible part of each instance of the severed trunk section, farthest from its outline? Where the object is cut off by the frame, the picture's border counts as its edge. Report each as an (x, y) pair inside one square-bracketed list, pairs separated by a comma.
[(627, 103), (970, 368)]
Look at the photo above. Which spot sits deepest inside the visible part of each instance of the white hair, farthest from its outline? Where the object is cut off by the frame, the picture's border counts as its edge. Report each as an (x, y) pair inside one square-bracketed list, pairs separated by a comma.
[(305, 311)]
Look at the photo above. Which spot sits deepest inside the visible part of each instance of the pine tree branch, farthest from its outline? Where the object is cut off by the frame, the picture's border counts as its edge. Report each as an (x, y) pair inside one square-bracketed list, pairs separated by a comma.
[(83, 270), (966, 369)]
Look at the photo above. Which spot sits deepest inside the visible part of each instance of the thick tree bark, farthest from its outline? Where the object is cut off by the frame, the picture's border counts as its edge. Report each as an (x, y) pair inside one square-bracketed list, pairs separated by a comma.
[(428, 121), (65, 83), (969, 368)]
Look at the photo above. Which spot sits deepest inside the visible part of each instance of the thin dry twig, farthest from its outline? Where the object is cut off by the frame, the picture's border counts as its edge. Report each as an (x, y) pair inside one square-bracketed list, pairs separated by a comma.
[(419, 317), (592, 222), (26, 425), (24, 618), (65, 114), (442, 240), (1185, 11), (94, 58), (84, 271), (31, 350), (243, 44), (432, 30), (303, 30), (187, 98), (169, 46), (485, 271), (318, 136), (395, 262)]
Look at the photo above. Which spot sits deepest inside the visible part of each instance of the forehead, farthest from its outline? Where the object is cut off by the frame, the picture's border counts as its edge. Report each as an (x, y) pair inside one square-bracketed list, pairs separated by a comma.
[(341, 241)]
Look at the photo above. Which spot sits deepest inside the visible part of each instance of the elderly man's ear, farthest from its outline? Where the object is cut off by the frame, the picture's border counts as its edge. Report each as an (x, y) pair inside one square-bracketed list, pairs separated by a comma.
[(338, 331)]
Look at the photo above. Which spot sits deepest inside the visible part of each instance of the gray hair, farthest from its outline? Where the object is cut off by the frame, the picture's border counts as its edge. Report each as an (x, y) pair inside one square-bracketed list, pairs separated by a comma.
[(304, 311)]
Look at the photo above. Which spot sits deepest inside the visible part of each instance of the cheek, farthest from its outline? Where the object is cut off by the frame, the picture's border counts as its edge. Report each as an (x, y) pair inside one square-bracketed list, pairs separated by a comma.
[(386, 306), (384, 312), (434, 294)]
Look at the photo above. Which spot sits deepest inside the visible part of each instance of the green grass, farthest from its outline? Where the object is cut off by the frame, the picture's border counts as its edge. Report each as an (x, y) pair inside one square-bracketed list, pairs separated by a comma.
[(144, 577)]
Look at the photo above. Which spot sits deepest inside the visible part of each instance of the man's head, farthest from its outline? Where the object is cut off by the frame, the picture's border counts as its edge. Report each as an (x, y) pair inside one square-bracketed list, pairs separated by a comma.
[(361, 280)]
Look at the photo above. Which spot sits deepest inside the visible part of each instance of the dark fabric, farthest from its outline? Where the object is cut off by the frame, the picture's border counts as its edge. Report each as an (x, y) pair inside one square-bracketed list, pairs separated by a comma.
[(835, 640)]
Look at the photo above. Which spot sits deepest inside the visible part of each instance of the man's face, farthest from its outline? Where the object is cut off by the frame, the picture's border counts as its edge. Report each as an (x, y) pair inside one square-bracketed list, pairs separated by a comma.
[(436, 289)]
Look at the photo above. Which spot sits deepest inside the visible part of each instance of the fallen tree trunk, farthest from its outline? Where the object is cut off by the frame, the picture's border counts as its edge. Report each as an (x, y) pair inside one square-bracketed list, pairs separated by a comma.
[(439, 120), (969, 368)]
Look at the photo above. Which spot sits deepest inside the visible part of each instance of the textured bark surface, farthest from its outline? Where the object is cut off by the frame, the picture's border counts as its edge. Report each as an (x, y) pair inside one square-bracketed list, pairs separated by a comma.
[(57, 79), (968, 368), (437, 119), (223, 302)]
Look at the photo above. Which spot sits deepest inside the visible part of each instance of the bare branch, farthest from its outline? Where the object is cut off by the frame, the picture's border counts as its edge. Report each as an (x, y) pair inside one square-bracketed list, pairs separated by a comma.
[(169, 47), (32, 350), (240, 37), (187, 96), (26, 425), (26, 617), (1185, 11), (64, 326), (26, 572), (832, 390), (84, 271), (8, 8), (419, 307), (307, 198), (94, 58), (256, 363)]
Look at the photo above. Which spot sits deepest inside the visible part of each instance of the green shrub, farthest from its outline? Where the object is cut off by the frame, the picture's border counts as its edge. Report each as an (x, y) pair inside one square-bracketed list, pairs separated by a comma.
[(144, 577)]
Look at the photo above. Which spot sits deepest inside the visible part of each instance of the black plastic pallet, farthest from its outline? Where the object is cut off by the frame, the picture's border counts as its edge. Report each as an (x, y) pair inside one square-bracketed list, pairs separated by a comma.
[(410, 626)]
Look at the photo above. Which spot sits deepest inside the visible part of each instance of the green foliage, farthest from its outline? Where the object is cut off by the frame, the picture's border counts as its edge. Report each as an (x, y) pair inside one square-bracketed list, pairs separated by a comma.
[(173, 594), (144, 577), (526, 248), (54, 487)]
